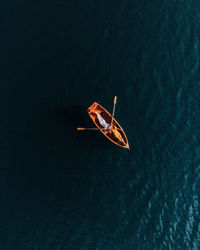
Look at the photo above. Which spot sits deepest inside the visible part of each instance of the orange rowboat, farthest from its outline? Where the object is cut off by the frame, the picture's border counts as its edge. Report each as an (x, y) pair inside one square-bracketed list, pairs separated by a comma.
[(106, 123)]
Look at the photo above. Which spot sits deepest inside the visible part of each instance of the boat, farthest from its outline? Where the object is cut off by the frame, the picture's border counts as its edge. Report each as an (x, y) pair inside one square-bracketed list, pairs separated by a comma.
[(107, 124)]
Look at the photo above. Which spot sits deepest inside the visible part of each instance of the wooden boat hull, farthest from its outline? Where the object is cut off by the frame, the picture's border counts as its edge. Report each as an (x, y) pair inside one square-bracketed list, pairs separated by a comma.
[(96, 110)]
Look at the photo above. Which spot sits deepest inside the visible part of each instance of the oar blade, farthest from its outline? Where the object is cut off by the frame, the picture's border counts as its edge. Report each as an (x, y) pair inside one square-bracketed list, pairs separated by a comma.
[(113, 113)]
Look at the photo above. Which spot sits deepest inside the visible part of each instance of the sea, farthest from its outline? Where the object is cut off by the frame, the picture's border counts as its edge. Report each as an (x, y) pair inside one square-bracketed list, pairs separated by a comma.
[(63, 189)]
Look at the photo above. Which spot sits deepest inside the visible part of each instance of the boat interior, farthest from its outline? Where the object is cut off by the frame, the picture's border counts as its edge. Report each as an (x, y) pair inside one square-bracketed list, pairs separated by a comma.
[(107, 117)]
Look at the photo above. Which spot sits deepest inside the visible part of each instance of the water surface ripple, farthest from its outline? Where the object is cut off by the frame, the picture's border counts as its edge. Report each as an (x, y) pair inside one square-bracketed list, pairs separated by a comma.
[(66, 190)]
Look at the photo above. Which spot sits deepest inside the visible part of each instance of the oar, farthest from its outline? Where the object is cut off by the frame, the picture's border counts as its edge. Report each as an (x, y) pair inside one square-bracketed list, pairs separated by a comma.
[(87, 129), (115, 101), (91, 129)]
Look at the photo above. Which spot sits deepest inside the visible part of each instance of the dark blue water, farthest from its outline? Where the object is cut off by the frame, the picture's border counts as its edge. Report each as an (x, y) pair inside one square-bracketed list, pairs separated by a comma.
[(65, 189)]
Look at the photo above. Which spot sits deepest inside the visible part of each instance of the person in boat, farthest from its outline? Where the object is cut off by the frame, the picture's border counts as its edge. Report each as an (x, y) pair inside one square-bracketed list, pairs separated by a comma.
[(110, 128)]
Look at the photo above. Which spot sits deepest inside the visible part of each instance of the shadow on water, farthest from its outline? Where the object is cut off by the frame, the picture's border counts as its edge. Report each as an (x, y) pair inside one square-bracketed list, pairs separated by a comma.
[(57, 130)]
